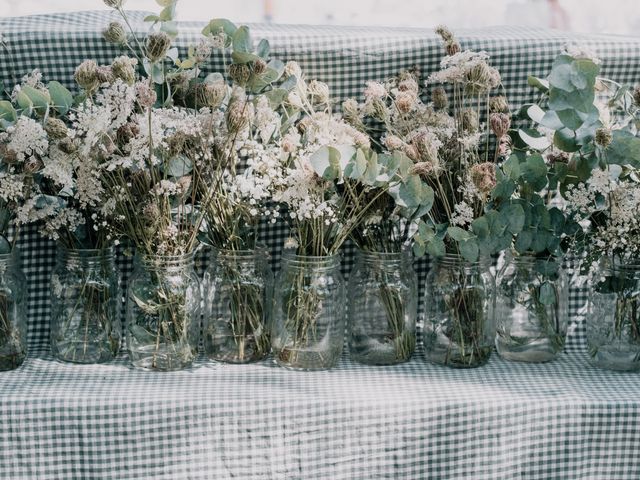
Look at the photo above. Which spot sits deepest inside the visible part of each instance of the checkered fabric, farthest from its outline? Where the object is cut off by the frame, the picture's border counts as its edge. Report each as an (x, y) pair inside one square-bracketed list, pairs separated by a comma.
[(563, 420)]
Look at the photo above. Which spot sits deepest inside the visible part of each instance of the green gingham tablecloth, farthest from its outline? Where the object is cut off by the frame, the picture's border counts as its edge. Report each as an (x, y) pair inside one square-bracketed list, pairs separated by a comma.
[(562, 420)]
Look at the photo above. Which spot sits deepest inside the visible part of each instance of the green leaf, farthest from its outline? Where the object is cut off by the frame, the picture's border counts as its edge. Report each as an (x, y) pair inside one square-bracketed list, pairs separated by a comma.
[(547, 294), (523, 241), (243, 57), (165, 3), (570, 118), (411, 193), (220, 25), (534, 171), (40, 100), (513, 215), (263, 49), (178, 166), (24, 102), (469, 249), (242, 40), (480, 227), (511, 167), (624, 149), (61, 97), (566, 140), (168, 12), (5, 246), (436, 247), (534, 139), (459, 234), (170, 28), (329, 162), (151, 18), (7, 112), (539, 83), (356, 166)]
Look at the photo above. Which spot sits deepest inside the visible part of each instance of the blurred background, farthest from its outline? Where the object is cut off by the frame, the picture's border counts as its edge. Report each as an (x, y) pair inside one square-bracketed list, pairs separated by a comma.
[(593, 16)]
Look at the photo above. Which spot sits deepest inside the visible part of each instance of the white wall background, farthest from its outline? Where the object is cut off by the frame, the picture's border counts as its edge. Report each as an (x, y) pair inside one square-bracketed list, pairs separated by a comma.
[(598, 16)]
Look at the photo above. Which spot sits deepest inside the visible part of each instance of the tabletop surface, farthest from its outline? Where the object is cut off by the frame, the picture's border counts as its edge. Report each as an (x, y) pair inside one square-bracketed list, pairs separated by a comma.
[(562, 420)]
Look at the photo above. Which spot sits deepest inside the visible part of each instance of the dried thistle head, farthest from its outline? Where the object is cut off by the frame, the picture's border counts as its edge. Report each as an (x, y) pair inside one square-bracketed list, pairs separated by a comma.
[(426, 145), (377, 109), (210, 94), (392, 142), (423, 169), (104, 74), (500, 123), (405, 101), (55, 128), (409, 84), (126, 132), (439, 98), (114, 3), (498, 104), (481, 78), (67, 146), (292, 69), (239, 73), (603, 137), (33, 165), (470, 120), (452, 47), (157, 46), (350, 109), (444, 33), (483, 176), (239, 115), (7, 155), (86, 75), (558, 157), (202, 51), (636, 95), (258, 67), (145, 95), (115, 33), (124, 68), (319, 92)]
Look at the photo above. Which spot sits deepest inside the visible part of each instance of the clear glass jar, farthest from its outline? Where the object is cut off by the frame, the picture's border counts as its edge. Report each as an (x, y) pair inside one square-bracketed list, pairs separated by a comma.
[(531, 309), (84, 306), (613, 320), (237, 289), (459, 306), (383, 307), (163, 312), (309, 309), (13, 312)]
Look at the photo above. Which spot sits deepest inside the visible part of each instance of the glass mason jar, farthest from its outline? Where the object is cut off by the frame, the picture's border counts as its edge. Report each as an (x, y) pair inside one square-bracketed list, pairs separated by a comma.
[(84, 306), (459, 306), (531, 309), (382, 308), (163, 312), (237, 289), (309, 309), (13, 312), (613, 321)]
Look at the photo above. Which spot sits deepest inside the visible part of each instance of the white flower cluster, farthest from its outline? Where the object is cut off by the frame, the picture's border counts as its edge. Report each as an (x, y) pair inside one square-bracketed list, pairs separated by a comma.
[(618, 199), (304, 194), (469, 68), (25, 139)]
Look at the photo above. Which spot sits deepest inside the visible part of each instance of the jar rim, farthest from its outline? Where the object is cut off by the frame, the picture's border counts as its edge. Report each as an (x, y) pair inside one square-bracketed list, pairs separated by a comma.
[(384, 255), (160, 260), (88, 252), (328, 260), (457, 259)]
